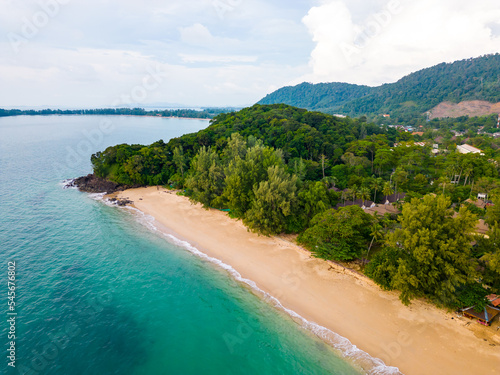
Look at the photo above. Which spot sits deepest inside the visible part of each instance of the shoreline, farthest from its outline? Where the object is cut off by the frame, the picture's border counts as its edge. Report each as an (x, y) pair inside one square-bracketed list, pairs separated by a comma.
[(419, 339)]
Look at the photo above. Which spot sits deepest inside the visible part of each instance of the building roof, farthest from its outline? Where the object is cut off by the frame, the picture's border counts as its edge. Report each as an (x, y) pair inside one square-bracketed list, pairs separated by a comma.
[(482, 227), (393, 198), (466, 149), (494, 299), (357, 202), (418, 133), (382, 209), (492, 313), (478, 203)]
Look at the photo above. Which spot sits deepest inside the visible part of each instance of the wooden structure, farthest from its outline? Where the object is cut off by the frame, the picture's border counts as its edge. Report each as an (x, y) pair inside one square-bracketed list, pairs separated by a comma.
[(484, 317)]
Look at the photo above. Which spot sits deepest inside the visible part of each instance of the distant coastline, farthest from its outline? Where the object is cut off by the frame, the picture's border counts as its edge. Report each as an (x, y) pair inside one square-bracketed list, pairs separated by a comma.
[(186, 113), (417, 339)]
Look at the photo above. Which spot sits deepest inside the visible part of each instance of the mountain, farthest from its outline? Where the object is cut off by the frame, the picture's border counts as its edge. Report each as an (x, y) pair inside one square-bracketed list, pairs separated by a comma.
[(416, 93)]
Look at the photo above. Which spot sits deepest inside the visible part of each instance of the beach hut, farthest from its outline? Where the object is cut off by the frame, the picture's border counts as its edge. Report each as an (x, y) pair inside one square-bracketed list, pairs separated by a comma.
[(484, 317)]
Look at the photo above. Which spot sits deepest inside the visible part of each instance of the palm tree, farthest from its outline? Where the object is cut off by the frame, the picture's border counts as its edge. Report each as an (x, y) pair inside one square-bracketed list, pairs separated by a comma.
[(467, 172), (364, 193), (375, 232), (344, 195), (354, 191), (387, 190), (443, 181), (376, 185)]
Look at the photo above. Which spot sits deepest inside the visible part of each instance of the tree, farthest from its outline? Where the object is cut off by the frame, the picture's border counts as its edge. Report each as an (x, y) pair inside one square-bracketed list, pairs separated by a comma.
[(313, 199), (387, 190), (323, 160), (242, 175), (368, 147), (434, 251), (338, 234), (493, 212), (400, 177), (364, 193), (273, 202), (379, 229), (236, 147), (179, 159), (384, 160), (444, 182), (376, 185), (206, 178)]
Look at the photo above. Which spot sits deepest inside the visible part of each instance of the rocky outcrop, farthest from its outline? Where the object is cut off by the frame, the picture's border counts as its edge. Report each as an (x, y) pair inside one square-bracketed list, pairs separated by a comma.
[(121, 201), (93, 184)]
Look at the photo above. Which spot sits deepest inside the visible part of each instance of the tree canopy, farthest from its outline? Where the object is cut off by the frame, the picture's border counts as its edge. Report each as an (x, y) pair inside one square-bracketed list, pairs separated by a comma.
[(430, 255)]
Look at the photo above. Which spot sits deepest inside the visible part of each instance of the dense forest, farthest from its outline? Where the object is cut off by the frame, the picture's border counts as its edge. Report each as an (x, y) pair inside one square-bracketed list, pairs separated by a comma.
[(471, 79), (204, 113), (285, 169)]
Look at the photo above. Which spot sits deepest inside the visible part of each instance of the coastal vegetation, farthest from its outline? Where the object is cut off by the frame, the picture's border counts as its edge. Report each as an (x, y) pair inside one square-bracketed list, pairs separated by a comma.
[(285, 169)]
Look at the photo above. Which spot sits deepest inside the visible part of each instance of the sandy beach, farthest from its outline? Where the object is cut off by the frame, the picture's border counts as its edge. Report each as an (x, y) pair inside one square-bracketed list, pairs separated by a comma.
[(419, 339)]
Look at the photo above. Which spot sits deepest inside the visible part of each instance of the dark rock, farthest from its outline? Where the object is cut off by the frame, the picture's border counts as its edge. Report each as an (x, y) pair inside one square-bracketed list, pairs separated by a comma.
[(93, 184), (123, 202)]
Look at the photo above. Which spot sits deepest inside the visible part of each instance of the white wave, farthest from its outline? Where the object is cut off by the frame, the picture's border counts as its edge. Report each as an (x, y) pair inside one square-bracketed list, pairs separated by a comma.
[(97, 196), (67, 184), (371, 365)]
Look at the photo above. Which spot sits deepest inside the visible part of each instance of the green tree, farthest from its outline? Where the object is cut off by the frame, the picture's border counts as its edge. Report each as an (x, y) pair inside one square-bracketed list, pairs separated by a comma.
[(313, 199), (434, 251), (323, 161), (206, 178), (493, 212), (243, 175), (338, 234), (179, 159), (273, 201), (364, 194), (376, 185), (236, 147), (387, 190)]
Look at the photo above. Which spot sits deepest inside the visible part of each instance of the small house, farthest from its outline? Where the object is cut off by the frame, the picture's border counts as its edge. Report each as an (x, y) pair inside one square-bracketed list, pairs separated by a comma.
[(484, 317)]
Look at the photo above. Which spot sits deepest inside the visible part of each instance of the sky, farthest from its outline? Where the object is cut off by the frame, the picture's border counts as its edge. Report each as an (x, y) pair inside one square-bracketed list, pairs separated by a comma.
[(104, 53)]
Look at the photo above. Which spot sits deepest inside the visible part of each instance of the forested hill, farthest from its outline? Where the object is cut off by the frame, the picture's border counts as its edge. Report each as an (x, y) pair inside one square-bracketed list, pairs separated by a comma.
[(297, 132), (320, 96), (470, 79)]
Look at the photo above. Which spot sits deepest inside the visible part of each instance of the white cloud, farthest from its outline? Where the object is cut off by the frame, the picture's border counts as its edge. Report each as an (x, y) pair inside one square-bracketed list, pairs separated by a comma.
[(196, 35), (91, 52), (398, 37), (217, 59), (103, 77)]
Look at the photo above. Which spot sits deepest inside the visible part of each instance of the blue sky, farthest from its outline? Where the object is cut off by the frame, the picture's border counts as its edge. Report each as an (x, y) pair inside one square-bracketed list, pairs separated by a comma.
[(99, 53)]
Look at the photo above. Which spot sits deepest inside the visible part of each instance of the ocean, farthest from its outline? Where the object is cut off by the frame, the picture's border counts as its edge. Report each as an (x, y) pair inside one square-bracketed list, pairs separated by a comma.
[(99, 291)]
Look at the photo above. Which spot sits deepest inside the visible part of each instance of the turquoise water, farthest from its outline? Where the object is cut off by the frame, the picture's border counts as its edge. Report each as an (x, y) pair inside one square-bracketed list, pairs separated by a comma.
[(100, 293)]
